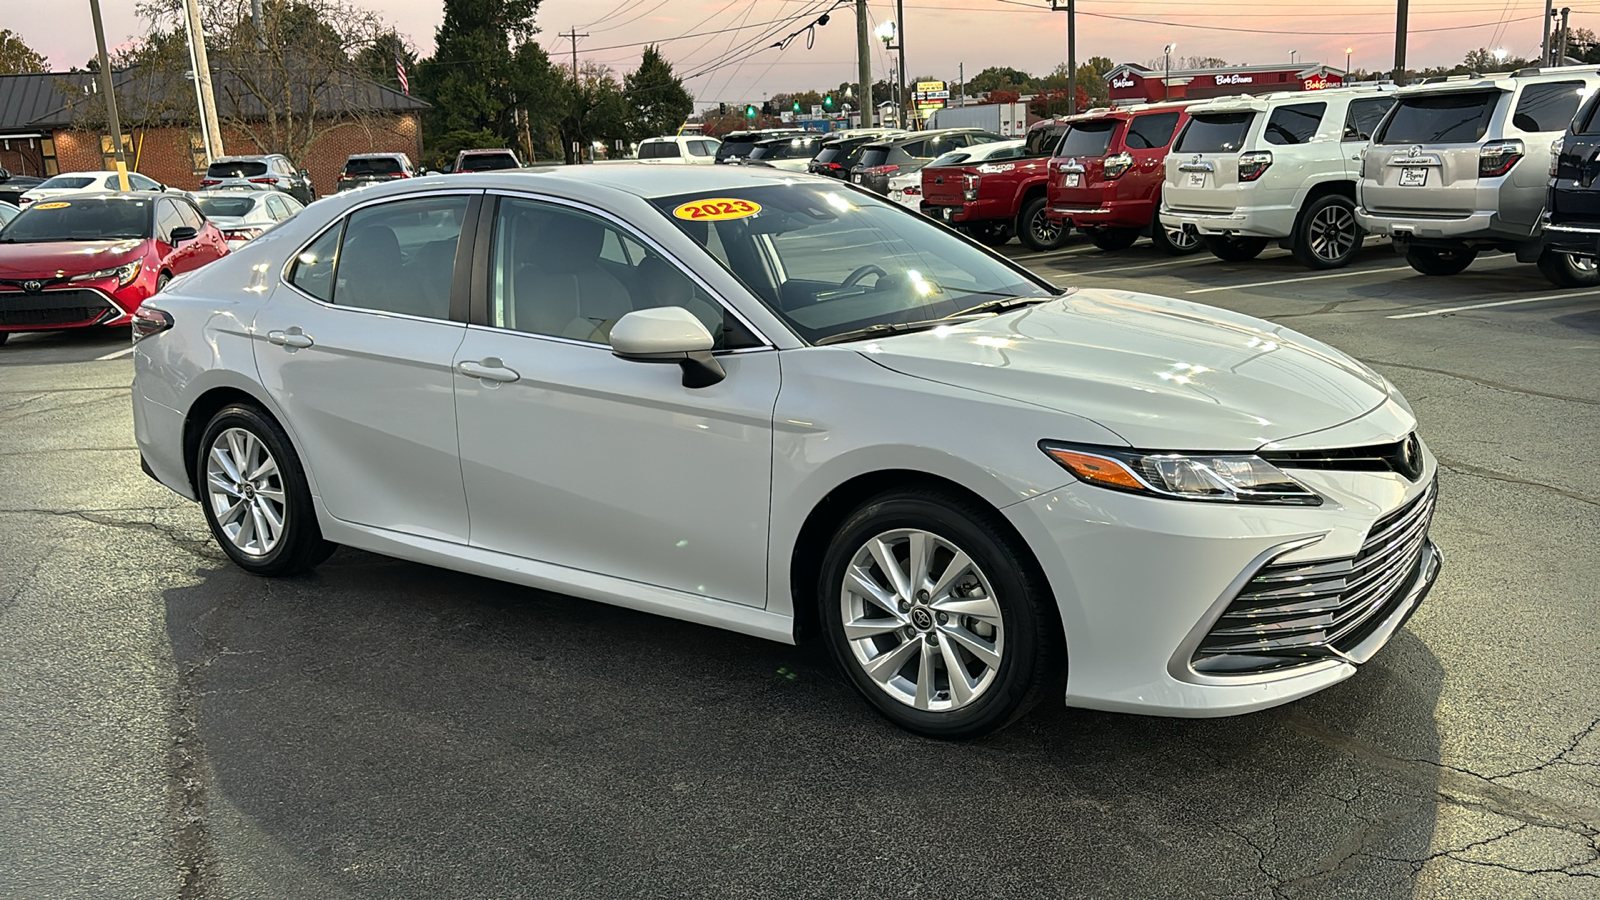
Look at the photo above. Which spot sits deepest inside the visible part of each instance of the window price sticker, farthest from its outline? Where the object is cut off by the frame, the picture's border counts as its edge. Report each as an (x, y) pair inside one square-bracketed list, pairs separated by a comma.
[(717, 209)]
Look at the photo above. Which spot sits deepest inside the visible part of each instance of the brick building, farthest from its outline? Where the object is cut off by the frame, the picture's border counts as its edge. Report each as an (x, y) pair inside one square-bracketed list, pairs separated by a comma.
[(1132, 83), (53, 122)]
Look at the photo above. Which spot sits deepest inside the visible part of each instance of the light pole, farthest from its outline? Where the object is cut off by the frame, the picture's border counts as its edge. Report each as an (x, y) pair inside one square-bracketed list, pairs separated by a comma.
[(1166, 80), (1292, 54), (887, 32), (1347, 52), (1500, 56)]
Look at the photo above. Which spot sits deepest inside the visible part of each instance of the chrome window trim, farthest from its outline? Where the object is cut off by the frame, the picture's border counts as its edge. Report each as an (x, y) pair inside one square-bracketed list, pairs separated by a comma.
[(559, 339), (283, 271), (643, 239)]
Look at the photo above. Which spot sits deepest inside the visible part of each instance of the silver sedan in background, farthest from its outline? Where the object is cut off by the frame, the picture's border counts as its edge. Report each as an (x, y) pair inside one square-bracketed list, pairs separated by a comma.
[(245, 215)]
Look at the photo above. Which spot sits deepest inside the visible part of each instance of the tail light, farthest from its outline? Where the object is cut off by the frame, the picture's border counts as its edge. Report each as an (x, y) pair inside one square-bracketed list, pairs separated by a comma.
[(398, 175), (205, 181), (263, 181), (833, 165), (1556, 147), (1252, 165), (969, 186), (241, 234), (147, 322), (1116, 166), (879, 170), (24, 201), (1497, 157)]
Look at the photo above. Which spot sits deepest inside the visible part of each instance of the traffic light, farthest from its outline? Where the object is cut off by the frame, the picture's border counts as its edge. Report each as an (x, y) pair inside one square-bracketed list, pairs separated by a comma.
[(827, 103), (750, 111), (766, 107), (797, 106), (722, 109)]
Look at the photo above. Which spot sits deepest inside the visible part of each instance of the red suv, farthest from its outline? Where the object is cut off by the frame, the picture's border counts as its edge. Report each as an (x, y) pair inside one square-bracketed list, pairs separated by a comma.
[(1106, 176), (92, 259)]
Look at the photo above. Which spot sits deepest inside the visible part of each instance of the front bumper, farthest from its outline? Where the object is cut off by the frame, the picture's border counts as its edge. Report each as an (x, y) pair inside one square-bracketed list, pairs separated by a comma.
[(1133, 628), (1482, 225), (59, 308)]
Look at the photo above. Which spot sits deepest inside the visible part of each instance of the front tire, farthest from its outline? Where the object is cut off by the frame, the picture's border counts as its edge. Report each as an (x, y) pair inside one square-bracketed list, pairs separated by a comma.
[(1235, 249), (1568, 270), (1327, 235), (1036, 231), (941, 618), (255, 495), (1114, 239), (1440, 260)]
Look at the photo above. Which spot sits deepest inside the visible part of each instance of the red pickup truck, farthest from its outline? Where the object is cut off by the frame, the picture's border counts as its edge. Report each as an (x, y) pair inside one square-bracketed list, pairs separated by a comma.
[(1105, 179), (997, 198)]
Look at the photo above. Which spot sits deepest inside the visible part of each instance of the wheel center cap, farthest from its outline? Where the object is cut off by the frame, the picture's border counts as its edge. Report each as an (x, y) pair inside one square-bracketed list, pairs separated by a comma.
[(249, 490), (921, 618)]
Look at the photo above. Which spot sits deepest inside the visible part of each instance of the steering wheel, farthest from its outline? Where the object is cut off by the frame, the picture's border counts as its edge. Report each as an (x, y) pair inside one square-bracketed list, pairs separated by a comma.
[(861, 273)]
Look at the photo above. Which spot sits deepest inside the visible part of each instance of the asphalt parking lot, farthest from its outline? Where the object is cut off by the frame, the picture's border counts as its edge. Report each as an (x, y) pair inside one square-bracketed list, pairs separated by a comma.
[(172, 727)]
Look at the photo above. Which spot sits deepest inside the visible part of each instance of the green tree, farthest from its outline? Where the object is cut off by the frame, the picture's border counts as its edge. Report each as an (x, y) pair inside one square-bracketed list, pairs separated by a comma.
[(377, 59), (1000, 78), (657, 101), (541, 92), (594, 110), (17, 57), (468, 78)]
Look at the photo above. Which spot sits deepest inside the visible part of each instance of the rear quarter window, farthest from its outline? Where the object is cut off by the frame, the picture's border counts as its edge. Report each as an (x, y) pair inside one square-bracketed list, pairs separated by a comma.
[(659, 150), (1215, 133), (1088, 138), (1362, 119), (1296, 123), (1547, 107), (1152, 131), (1457, 117)]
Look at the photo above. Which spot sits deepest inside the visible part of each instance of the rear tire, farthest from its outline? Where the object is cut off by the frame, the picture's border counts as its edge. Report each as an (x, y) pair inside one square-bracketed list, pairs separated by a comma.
[(1440, 261), (1327, 235), (965, 601), (1568, 270), (1173, 241), (1235, 249), (1036, 231), (1114, 239), (243, 446)]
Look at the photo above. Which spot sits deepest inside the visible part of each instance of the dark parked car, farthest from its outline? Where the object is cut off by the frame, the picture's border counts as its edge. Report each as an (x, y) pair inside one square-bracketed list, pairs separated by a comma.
[(13, 186), (373, 168), (839, 155), (738, 144), (791, 153), (910, 152), (1572, 211), (267, 172), (485, 161)]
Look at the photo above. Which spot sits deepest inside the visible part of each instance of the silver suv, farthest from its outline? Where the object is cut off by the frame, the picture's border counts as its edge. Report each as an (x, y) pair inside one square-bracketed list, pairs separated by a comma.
[(1461, 165), (1246, 171)]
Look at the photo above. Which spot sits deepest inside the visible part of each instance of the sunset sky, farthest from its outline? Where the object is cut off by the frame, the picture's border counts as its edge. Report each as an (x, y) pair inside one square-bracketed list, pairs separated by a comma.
[(940, 33)]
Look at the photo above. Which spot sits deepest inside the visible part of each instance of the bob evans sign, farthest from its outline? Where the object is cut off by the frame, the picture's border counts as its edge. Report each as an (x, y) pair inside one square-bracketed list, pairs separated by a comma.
[(1232, 78), (1122, 81)]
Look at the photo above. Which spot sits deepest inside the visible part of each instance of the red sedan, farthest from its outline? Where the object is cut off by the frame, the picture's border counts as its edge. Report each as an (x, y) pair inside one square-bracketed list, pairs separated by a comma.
[(92, 259)]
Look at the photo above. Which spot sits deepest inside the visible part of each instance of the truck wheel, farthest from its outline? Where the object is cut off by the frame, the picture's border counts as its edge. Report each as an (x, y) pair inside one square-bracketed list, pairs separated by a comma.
[(1035, 230), (1440, 261), (1327, 235), (1114, 238), (1568, 270), (1173, 241), (1235, 249)]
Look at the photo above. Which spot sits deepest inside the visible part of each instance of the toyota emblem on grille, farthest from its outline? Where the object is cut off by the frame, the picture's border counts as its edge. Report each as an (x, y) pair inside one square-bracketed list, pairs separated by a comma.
[(32, 287), (1410, 461)]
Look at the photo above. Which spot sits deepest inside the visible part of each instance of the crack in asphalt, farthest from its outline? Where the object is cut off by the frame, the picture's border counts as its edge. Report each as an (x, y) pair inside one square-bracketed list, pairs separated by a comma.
[(1462, 468), (10, 410), (1484, 382), (1561, 757), (204, 548)]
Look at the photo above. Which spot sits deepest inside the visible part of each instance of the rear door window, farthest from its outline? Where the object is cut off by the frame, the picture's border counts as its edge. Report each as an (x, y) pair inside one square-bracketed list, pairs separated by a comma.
[(1457, 117), (1088, 138), (1295, 123), (659, 150), (1362, 119), (1151, 131), (1215, 133), (1547, 107)]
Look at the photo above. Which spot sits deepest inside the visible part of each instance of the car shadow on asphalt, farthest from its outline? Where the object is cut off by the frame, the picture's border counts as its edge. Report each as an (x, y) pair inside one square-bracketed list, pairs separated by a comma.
[(384, 728)]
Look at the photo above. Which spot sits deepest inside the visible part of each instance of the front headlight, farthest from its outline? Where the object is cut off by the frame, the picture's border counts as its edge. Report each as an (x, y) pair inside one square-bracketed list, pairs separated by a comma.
[(124, 274), (1219, 477)]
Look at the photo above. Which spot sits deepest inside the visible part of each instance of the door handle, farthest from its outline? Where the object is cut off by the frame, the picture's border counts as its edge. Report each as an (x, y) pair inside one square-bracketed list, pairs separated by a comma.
[(489, 369), (294, 337)]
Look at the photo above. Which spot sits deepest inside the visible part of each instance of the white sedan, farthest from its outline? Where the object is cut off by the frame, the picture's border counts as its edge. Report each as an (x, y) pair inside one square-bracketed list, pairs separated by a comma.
[(80, 182), (791, 409)]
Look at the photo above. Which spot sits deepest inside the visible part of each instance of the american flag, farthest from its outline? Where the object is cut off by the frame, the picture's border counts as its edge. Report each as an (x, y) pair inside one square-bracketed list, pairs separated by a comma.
[(400, 71)]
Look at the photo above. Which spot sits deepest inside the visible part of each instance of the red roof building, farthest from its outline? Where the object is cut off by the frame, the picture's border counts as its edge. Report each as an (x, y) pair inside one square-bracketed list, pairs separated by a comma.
[(1131, 83)]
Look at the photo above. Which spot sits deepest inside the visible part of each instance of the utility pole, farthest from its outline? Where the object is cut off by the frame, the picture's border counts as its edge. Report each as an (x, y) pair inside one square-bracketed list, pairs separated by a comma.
[(863, 65), (900, 86), (573, 35), (1072, 57), (110, 95), (1544, 44), (1402, 13), (202, 74), (255, 22), (961, 84), (199, 101)]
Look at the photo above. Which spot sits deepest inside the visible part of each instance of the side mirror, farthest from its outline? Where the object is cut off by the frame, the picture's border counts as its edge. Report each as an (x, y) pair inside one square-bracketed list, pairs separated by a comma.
[(305, 173), (669, 334), (183, 233)]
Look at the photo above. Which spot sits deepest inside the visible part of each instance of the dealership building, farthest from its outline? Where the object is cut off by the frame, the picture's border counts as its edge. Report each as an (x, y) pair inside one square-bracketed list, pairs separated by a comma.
[(1131, 83)]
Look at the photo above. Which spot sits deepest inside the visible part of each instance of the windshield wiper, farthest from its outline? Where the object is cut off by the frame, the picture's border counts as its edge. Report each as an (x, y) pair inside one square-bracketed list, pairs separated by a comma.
[(1003, 303), (879, 329)]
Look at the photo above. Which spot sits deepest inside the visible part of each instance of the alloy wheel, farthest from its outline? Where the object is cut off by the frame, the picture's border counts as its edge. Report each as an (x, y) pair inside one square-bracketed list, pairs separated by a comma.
[(921, 620), (1182, 238), (1333, 233), (246, 492), (1585, 265), (1044, 231)]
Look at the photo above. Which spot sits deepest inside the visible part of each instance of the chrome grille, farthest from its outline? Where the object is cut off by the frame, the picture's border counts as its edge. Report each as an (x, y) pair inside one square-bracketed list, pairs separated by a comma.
[(1292, 613)]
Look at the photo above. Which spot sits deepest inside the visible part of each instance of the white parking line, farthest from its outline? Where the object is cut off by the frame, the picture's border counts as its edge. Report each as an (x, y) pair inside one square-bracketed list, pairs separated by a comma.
[(1351, 274), (123, 352), (1452, 309), (1158, 265), (1052, 254)]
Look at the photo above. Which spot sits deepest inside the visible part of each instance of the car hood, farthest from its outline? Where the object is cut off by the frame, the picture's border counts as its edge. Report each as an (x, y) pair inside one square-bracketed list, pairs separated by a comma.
[(71, 257), (1162, 373)]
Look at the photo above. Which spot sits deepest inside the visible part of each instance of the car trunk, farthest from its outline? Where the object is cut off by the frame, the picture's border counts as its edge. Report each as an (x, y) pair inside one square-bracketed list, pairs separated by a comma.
[(1424, 160), (946, 185), (1202, 172), (1080, 180)]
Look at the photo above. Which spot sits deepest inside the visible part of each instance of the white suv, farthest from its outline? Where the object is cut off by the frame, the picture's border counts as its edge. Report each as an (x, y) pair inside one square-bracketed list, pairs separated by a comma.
[(680, 149), (1248, 170)]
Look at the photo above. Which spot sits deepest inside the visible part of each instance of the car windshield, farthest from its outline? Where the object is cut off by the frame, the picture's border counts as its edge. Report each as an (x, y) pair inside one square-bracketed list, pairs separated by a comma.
[(829, 259), (1457, 117), (487, 162), (65, 182), (86, 219), (244, 169), (234, 207), (1088, 138), (377, 165)]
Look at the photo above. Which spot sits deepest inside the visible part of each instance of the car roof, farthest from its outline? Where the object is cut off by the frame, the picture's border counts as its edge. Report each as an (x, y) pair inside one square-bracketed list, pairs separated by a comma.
[(1123, 112), (120, 195), (1500, 81), (624, 177), (374, 156), (910, 136), (235, 192), (485, 150), (251, 157)]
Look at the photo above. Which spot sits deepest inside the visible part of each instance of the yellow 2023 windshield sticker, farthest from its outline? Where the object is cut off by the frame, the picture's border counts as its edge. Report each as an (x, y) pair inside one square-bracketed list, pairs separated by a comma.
[(55, 205), (717, 209)]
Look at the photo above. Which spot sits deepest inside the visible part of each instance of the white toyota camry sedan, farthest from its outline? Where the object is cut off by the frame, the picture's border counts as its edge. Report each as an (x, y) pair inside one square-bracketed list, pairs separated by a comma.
[(784, 406)]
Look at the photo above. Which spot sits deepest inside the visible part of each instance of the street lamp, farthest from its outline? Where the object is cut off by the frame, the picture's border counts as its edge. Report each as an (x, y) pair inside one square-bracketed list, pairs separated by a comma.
[(1347, 52), (1292, 54), (887, 32), (1166, 82), (1500, 56)]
